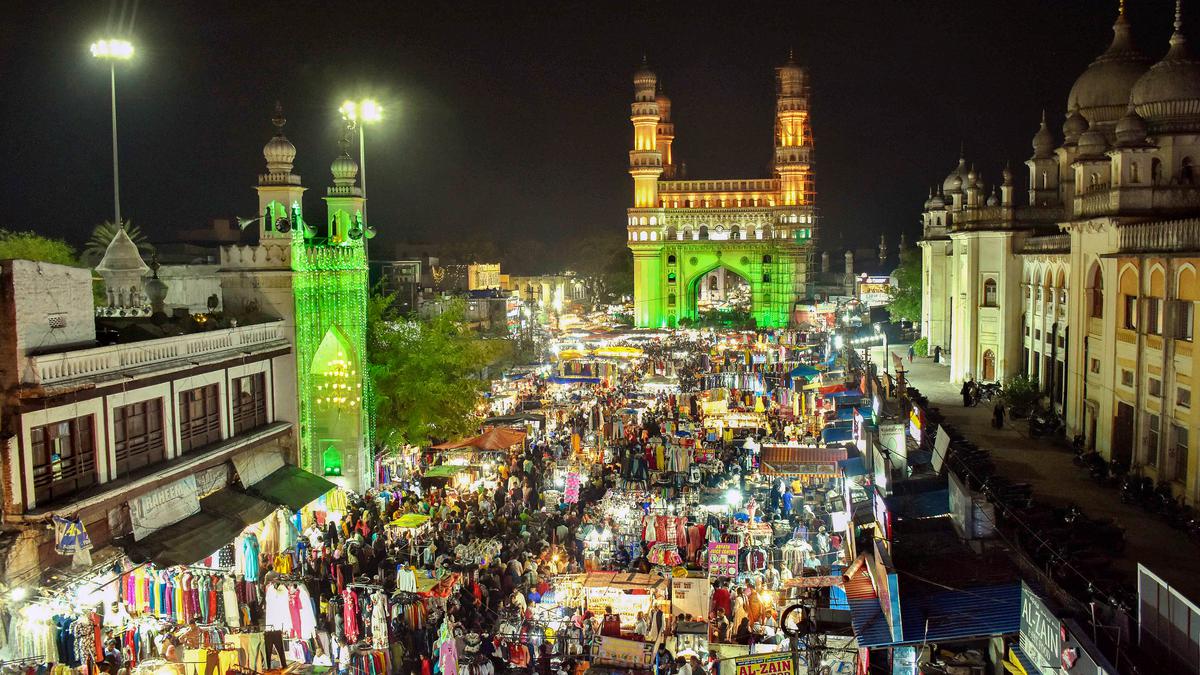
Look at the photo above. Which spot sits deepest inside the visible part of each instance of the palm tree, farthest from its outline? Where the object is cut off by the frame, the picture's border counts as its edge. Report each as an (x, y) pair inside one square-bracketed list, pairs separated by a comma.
[(102, 236)]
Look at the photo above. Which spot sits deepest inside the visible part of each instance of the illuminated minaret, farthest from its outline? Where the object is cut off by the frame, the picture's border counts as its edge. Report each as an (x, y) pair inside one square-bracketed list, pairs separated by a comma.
[(793, 141), (280, 194), (666, 134), (645, 160)]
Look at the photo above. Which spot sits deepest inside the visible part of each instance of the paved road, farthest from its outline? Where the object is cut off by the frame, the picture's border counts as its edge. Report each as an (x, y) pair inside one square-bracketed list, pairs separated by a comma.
[(1056, 480)]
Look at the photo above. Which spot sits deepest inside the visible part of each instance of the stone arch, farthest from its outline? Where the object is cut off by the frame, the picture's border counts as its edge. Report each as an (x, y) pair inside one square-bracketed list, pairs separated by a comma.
[(1095, 287), (1186, 285), (1157, 282)]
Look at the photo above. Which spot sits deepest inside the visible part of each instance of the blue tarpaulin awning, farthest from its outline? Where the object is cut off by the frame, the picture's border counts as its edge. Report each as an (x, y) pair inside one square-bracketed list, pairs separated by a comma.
[(941, 616), (845, 394), (804, 371), (853, 467), (837, 434), (845, 413)]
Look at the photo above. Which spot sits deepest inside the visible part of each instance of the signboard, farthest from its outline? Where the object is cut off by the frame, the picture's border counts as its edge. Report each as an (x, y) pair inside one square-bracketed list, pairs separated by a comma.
[(763, 664), (722, 559), (209, 481), (887, 585), (813, 582), (163, 506), (691, 596), (633, 654), (875, 291), (1039, 637), (255, 465), (941, 446)]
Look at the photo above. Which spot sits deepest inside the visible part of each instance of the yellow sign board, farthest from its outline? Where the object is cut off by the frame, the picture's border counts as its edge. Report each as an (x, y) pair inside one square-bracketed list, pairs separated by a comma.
[(764, 664)]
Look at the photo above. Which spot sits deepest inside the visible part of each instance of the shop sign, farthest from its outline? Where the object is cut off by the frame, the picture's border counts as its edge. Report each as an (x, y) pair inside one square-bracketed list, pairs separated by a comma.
[(625, 653), (941, 445), (722, 559), (690, 595), (209, 481), (1039, 637), (163, 506), (812, 582), (255, 465), (763, 664), (891, 436)]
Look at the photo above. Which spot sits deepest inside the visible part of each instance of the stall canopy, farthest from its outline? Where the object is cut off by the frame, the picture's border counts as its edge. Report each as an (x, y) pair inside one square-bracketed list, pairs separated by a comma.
[(444, 470), (410, 520), (222, 517), (515, 419), (837, 434), (626, 581), (780, 460), (499, 438), (292, 487), (804, 371)]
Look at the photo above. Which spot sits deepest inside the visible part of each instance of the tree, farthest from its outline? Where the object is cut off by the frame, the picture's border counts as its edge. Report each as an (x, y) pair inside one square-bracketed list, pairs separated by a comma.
[(31, 246), (102, 236), (905, 302), (427, 375)]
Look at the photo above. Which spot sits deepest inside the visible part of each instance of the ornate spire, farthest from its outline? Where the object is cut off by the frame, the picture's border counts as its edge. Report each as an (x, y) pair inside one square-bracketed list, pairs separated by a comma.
[(278, 119), (1177, 38)]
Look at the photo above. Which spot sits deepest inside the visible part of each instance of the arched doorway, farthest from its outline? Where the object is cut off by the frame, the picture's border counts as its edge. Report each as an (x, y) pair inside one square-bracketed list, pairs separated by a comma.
[(989, 366), (720, 297), (337, 398)]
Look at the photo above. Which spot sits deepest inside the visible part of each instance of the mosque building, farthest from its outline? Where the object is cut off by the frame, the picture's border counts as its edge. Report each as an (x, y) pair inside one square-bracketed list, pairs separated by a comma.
[(1089, 284)]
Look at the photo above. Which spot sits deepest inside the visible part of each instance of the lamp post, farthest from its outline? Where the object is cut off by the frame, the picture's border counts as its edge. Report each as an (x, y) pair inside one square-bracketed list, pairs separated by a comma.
[(113, 51), (357, 114)]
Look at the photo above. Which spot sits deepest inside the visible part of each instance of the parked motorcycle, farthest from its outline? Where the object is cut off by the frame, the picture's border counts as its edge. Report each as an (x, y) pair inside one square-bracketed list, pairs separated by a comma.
[(1044, 423)]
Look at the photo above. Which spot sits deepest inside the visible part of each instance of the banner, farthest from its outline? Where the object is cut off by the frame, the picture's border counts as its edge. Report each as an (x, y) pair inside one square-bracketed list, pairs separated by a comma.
[(812, 582), (163, 506), (255, 465), (633, 654), (209, 481), (691, 596), (722, 559), (763, 664)]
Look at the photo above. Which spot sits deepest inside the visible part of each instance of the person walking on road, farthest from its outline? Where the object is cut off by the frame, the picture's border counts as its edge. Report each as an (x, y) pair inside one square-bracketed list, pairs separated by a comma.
[(998, 415), (937, 354), (911, 353)]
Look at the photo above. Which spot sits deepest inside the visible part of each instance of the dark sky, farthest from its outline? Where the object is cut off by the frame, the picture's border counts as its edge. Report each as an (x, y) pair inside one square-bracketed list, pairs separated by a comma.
[(510, 119)]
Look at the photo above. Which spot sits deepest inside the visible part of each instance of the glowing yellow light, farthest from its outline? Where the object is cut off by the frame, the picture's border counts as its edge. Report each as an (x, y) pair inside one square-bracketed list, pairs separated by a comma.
[(370, 111), (113, 49)]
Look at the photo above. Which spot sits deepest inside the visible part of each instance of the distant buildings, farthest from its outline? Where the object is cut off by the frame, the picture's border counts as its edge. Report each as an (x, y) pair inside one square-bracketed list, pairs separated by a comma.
[(1090, 285)]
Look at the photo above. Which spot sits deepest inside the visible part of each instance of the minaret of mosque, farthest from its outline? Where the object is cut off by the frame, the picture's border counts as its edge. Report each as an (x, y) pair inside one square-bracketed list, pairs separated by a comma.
[(344, 200), (666, 134), (793, 140), (646, 159), (280, 195)]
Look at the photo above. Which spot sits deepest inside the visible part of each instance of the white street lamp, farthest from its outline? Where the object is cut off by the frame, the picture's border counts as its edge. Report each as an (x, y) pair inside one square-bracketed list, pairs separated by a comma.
[(113, 51), (357, 114)]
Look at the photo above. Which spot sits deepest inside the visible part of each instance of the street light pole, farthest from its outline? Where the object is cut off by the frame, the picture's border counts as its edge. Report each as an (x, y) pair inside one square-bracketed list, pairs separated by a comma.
[(113, 51), (112, 69)]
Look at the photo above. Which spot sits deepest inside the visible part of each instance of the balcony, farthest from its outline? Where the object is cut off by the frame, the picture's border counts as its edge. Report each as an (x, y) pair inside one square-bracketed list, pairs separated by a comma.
[(731, 185), (100, 364), (1172, 236), (1047, 244)]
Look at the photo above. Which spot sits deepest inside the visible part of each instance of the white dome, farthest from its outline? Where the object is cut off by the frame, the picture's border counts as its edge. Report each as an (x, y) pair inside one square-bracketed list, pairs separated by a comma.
[(1102, 91), (279, 151), (955, 179), (122, 256), (1043, 140), (344, 170), (1092, 144), (1132, 129), (1168, 95)]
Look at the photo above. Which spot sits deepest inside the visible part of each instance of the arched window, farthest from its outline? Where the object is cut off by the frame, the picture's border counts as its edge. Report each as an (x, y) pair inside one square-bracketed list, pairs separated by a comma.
[(1133, 173), (1186, 171), (989, 365), (671, 233), (767, 259), (1097, 293), (1045, 180), (989, 293), (735, 232), (1156, 171), (671, 259), (653, 220), (704, 232), (766, 277), (642, 236), (671, 278), (671, 299), (653, 236)]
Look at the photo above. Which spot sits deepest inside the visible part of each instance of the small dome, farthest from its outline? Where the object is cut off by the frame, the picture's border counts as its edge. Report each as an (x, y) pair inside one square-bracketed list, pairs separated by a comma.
[(1043, 140), (1167, 97), (972, 178), (1092, 144), (993, 200), (664, 107), (1102, 91), (1132, 129), (344, 169), (122, 256), (1074, 126), (958, 174), (1006, 176), (936, 201), (643, 76), (279, 151)]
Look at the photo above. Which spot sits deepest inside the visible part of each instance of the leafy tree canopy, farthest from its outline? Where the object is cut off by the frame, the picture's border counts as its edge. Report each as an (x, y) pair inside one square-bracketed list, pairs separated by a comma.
[(427, 375), (905, 302), (31, 246)]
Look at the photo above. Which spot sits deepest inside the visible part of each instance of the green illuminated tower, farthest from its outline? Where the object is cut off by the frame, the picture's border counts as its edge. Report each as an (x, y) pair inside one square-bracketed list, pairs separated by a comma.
[(330, 286)]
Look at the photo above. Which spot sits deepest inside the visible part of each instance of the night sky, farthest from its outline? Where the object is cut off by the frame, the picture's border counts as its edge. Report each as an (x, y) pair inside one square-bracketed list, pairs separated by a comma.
[(510, 119)]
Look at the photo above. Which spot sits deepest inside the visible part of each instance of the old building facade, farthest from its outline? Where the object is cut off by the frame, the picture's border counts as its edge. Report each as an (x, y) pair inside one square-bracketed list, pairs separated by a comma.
[(1090, 284)]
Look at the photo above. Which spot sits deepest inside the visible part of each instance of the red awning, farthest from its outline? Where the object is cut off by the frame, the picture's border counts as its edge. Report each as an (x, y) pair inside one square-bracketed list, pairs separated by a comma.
[(500, 438), (831, 389)]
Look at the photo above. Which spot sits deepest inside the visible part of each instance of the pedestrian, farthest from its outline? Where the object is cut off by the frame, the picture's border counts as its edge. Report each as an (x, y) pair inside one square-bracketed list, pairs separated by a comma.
[(966, 393), (911, 353), (937, 354), (998, 415)]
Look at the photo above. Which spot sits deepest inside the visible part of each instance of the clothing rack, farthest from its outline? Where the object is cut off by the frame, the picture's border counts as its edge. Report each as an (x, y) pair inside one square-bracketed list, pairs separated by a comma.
[(28, 660)]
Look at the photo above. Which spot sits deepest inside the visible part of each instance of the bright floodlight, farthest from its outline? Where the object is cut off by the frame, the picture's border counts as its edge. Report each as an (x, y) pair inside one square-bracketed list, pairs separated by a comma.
[(370, 111), (366, 110), (113, 49)]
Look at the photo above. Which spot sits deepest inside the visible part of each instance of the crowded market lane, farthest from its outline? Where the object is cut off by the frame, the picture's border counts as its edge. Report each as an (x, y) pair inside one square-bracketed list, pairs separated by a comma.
[(1047, 466)]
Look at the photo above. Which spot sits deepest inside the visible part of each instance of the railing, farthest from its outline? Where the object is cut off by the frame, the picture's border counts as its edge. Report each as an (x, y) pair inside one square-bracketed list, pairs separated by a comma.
[(59, 367), (730, 185), (1171, 235), (1097, 201), (1051, 243)]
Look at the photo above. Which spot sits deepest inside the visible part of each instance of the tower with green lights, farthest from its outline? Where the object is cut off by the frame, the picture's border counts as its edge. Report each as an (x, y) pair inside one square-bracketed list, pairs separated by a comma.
[(315, 279), (680, 231)]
